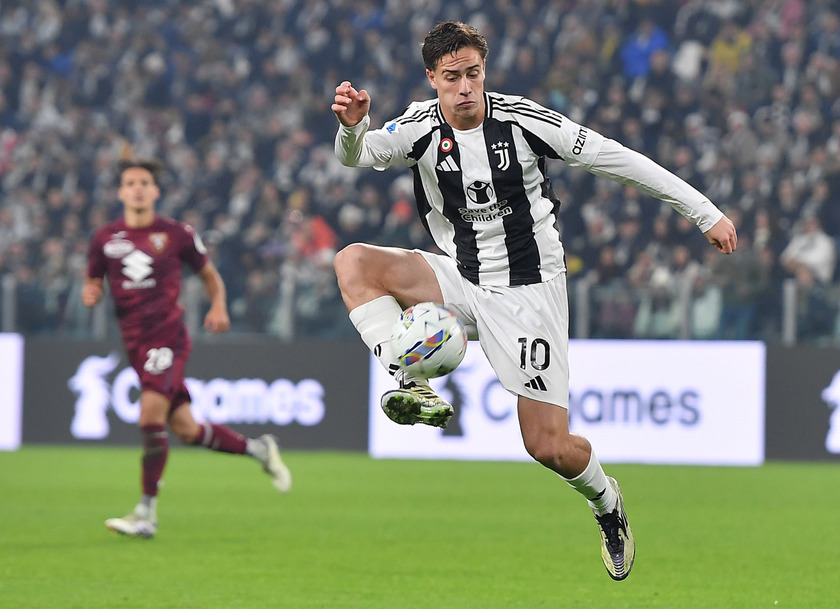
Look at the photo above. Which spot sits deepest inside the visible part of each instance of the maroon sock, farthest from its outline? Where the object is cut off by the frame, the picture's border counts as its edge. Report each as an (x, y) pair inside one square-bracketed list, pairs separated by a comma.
[(220, 438), (155, 451)]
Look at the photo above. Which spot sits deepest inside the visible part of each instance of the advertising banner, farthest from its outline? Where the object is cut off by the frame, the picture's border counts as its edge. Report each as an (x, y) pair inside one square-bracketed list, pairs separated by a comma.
[(667, 402), (803, 403), (311, 395), (11, 388)]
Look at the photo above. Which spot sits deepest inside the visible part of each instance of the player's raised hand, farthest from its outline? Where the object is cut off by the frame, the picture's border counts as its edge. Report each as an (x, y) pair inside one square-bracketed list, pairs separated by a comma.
[(350, 106), (723, 235)]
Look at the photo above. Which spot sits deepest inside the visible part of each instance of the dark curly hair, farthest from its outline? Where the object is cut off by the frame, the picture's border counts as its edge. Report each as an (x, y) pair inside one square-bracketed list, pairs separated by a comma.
[(449, 37)]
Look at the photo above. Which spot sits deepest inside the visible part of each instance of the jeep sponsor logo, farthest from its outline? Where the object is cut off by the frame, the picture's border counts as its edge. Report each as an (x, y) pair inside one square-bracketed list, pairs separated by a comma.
[(228, 401)]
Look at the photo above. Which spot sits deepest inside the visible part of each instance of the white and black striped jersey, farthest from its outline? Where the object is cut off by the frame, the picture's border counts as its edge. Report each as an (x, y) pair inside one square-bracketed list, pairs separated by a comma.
[(484, 195)]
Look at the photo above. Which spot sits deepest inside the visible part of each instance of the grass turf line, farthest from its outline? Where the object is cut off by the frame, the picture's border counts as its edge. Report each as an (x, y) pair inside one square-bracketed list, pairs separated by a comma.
[(361, 533)]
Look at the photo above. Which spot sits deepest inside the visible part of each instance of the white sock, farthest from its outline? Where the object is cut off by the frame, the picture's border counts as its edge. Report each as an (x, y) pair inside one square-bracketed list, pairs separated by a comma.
[(375, 320), (592, 483), (147, 508)]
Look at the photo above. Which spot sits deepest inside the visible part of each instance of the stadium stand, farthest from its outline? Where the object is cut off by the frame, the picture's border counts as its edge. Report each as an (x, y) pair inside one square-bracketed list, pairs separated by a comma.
[(738, 97)]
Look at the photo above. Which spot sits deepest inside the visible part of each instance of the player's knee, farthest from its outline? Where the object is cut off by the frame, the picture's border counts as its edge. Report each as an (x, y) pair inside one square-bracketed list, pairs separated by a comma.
[(187, 437), (186, 433), (350, 260), (548, 450)]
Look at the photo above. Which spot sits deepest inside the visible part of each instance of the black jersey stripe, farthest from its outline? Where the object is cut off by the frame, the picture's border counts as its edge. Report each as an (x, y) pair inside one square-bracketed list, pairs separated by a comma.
[(539, 146), (521, 104), (417, 117), (535, 115), (545, 115), (508, 183), (420, 200)]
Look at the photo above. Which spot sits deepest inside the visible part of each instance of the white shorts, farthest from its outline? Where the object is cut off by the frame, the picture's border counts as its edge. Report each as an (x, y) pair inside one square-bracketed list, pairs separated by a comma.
[(523, 330)]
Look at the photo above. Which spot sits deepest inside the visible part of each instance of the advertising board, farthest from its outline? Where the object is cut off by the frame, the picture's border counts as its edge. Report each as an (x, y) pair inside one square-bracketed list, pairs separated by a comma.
[(666, 402), (803, 403), (11, 388), (311, 395)]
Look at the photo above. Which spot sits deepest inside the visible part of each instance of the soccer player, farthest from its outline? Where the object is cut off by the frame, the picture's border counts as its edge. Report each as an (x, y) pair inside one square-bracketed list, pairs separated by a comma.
[(479, 165), (142, 255)]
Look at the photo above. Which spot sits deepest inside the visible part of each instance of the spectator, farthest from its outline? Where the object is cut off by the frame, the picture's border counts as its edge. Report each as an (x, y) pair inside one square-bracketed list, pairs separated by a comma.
[(725, 56), (811, 248), (816, 308), (639, 46), (659, 313), (706, 308)]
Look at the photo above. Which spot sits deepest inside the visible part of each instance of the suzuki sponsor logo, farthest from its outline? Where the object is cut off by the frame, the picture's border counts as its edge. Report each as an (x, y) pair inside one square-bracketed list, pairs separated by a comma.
[(219, 400), (137, 266)]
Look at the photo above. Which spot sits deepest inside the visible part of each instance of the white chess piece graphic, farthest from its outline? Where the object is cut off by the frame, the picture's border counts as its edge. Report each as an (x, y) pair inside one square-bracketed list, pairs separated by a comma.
[(831, 395), (94, 396)]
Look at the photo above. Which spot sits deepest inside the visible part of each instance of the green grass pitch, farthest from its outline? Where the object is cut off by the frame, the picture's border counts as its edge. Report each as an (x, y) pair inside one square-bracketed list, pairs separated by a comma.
[(359, 533)]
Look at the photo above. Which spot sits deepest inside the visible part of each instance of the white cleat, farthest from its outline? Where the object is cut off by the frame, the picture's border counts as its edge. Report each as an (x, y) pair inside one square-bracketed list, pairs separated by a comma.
[(273, 465), (137, 524)]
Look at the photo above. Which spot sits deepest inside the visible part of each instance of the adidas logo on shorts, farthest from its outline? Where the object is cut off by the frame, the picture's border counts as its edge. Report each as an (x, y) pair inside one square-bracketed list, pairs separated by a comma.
[(536, 383)]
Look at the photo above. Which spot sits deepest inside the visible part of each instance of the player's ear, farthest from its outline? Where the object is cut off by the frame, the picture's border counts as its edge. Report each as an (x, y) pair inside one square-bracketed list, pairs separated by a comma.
[(431, 76)]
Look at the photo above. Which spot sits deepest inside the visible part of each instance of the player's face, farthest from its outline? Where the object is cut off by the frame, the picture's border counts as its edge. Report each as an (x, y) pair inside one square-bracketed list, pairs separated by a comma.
[(459, 81), (138, 191)]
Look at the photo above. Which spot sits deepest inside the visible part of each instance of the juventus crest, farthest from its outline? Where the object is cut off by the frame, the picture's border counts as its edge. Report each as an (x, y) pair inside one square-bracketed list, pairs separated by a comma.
[(501, 151)]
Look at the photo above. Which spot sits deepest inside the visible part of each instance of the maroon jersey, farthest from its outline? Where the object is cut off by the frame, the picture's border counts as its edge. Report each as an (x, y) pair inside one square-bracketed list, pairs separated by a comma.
[(143, 268)]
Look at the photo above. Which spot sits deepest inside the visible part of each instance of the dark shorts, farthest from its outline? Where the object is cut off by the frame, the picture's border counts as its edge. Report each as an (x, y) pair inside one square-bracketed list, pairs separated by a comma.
[(160, 364)]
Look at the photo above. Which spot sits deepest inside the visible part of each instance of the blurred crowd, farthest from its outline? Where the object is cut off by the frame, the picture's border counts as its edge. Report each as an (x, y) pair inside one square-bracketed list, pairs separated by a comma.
[(738, 97)]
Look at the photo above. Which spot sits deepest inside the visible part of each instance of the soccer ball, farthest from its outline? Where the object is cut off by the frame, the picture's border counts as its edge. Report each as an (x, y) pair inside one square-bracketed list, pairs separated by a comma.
[(428, 340)]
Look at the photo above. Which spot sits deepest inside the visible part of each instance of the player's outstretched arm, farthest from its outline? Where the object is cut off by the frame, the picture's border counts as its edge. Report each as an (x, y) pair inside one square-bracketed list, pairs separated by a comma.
[(217, 319), (723, 235), (350, 106), (91, 291)]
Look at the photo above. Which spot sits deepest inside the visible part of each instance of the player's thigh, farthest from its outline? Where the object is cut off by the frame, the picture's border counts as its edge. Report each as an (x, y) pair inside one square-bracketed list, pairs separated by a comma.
[(524, 332), (408, 277), (154, 408), (364, 270), (541, 422)]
